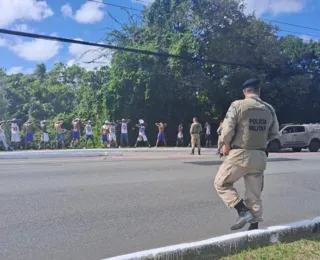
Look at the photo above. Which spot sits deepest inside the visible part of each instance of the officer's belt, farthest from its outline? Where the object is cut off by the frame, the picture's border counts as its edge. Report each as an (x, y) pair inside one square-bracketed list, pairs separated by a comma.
[(238, 147)]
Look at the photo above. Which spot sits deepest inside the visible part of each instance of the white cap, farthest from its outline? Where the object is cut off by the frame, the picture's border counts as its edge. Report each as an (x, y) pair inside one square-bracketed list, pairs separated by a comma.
[(106, 122), (141, 121), (123, 119)]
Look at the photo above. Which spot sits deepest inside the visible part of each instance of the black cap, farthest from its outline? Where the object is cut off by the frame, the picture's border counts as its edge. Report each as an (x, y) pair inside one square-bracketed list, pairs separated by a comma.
[(251, 83)]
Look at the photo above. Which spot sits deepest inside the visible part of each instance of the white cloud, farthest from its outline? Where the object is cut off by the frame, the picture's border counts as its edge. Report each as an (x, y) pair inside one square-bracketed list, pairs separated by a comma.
[(14, 10), (89, 12), (260, 7), (274, 7), (17, 70), (143, 2), (32, 50), (308, 38), (81, 54), (3, 42), (22, 27), (36, 50), (67, 10)]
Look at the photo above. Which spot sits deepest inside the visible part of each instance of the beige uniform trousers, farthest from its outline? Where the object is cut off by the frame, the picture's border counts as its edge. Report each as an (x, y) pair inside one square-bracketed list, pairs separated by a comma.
[(219, 143), (228, 174), (195, 141)]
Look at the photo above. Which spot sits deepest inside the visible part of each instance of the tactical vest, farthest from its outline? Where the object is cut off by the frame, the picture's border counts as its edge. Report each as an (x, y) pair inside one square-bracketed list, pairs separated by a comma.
[(254, 120)]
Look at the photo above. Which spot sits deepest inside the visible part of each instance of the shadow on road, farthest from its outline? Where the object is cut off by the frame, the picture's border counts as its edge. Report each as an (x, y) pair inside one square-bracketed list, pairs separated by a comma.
[(214, 163)]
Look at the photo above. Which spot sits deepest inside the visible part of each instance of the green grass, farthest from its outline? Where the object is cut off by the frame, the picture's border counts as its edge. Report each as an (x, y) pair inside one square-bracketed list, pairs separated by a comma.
[(300, 250)]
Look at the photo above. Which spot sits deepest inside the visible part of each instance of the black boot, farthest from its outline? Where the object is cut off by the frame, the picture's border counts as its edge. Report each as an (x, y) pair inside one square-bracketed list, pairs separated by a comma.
[(192, 152), (199, 152), (253, 226), (245, 216)]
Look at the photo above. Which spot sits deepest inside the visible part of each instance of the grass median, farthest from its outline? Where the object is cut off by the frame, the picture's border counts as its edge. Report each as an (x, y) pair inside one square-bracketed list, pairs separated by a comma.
[(308, 249)]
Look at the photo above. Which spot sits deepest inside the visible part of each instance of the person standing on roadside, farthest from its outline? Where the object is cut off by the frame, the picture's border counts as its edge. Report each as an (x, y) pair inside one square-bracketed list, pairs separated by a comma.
[(112, 134), (59, 133), (248, 125), (142, 137), (44, 140), (89, 134), (29, 130), (161, 137), (180, 136), (76, 123), (15, 133), (105, 134), (124, 132), (195, 132), (208, 134), (3, 139)]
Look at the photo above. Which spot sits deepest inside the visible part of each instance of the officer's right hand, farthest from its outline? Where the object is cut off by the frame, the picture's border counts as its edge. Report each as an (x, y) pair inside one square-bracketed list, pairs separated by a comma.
[(226, 149)]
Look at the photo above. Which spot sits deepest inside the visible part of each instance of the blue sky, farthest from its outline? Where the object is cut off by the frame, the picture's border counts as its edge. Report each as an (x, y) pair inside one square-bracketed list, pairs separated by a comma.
[(84, 20)]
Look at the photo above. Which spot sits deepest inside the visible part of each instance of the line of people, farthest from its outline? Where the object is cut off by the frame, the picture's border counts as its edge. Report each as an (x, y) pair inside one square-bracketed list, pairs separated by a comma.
[(108, 134)]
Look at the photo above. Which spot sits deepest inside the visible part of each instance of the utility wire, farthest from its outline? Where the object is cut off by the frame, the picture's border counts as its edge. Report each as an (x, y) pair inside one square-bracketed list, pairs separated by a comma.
[(312, 35), (138, 51), (265, 19), (144, 1), (291, 24), (114, 5), (132, 50)]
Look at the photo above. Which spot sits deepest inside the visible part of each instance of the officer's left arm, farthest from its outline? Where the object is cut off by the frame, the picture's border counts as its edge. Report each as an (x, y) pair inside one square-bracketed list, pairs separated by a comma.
[(229, 125), (274, 128), (191, 129)]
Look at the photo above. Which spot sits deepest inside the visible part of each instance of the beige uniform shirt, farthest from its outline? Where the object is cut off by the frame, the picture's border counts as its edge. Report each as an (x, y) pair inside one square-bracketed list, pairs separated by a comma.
[(219, 130), (196, 128), (248, 126)]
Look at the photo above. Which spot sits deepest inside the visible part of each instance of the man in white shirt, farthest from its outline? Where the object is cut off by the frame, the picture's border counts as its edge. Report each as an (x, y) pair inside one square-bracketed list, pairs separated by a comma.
[(3, 137), (208, 134), (44, 140), (142, 133), (112, 135), (180, 136), (15, 133), (124, 132), (89, 133)]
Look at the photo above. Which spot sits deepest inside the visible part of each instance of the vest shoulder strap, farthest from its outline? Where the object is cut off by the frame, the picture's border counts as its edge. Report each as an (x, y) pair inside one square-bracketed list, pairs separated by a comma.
[(266, 104)]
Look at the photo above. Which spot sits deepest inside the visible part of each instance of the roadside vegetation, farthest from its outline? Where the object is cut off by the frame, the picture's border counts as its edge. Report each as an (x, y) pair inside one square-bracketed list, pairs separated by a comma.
[(308, 249)]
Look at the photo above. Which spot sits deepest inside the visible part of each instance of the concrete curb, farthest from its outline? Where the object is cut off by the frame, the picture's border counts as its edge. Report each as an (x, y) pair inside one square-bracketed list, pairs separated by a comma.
[(229, 244), (90, 152)]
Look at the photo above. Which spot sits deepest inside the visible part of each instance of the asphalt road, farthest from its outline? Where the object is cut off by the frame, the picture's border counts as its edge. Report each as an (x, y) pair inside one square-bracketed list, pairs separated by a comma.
[(97, 208)]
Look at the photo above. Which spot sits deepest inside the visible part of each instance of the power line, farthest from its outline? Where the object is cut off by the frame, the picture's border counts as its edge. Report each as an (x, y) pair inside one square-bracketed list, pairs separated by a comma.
[(144, 1), (132, 50), (114, 5), (312, 35), (291, 24), (265, 19)]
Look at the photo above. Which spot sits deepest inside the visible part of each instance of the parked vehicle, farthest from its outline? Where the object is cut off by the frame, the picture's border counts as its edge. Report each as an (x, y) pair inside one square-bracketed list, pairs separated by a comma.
[(297, 137)]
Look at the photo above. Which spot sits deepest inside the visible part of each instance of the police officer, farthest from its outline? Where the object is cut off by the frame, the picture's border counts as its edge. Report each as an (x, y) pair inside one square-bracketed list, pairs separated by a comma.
[(195, 133), (248, 125)]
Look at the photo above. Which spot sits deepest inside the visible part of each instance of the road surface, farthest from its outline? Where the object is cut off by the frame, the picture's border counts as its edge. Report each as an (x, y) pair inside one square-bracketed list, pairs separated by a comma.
[(96, 208)]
